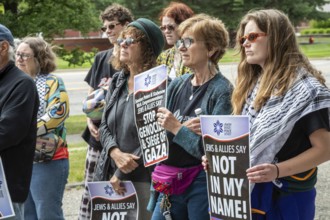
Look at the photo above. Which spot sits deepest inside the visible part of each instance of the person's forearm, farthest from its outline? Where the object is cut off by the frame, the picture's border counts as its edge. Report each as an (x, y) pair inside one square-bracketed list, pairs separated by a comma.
[(305, 161)]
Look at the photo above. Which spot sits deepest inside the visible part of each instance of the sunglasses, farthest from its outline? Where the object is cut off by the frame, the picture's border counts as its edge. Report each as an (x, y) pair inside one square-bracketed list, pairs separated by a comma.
[(252, 37), (169, 27), (110, 27), (127, 41), (23, 56), (185, 42)]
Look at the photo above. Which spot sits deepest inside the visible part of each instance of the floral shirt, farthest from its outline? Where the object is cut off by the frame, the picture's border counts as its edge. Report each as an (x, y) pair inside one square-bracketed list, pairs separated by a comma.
[(173, 62)]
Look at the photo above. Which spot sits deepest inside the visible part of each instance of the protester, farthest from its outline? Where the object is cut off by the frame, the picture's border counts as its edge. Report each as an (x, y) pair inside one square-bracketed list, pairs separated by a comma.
[(115, 18), (203, 43), (287, 103), (36, 58), (140, 44), (18, 123), (171, 16)]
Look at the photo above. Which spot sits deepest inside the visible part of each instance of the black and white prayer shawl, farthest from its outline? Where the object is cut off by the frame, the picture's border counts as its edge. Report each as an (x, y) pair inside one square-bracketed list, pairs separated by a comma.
[(272, 125)]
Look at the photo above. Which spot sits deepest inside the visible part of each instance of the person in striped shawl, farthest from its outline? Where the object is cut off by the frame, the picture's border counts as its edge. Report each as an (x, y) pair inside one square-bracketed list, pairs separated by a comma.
[(288, 104)]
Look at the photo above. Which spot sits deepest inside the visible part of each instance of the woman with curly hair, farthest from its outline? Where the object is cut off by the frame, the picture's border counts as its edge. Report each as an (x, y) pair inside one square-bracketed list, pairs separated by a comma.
[(139, 45)]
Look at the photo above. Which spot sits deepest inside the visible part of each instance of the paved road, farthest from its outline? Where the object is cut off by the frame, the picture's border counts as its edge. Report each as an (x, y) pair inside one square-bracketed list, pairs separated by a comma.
[(76, 87), (77, 90)]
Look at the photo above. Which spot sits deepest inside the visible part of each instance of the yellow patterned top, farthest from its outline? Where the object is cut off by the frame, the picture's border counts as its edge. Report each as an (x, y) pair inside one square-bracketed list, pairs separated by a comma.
[(167, 58)]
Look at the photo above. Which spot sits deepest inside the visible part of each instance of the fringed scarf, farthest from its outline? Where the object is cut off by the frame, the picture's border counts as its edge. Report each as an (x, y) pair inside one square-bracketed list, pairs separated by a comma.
[(272, 125)]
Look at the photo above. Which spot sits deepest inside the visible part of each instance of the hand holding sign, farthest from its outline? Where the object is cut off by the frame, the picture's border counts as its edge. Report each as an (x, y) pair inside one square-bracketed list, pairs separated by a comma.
[(194, 125), (205, 163), (167, 120), (124, 161), (262, 173), (117, 186)]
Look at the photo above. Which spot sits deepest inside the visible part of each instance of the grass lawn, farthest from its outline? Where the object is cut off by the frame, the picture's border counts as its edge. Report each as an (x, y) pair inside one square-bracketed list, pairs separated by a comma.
[(320, 50), (77, 156), (75, 124)]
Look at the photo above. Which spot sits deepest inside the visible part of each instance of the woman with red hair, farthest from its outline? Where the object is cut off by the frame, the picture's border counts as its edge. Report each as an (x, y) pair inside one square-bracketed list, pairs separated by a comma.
[(171, 16)]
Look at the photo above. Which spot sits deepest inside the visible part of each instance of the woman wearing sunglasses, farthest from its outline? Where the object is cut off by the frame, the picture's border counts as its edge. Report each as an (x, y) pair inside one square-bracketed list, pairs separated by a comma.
[(203, 43), (170, 18), (139, 46), (288, 104)]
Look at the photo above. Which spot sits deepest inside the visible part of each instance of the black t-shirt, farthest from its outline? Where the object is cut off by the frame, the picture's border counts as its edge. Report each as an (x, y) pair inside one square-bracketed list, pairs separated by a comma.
[(298, 140), (183, 110), (101, 70), (99, 76)]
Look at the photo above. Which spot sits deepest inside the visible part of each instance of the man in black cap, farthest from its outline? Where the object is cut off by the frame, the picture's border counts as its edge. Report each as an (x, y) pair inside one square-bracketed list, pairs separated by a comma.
[(18, 123)]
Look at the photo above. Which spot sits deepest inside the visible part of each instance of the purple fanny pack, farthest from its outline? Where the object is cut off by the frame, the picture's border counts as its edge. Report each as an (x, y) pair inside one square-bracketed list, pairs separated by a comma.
[(173, 180)]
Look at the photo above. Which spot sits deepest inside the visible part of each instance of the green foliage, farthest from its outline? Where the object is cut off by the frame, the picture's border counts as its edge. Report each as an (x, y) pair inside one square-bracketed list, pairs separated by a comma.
[(89, 56), (309, 31), (30, 17), (77, 57), (320, 24)]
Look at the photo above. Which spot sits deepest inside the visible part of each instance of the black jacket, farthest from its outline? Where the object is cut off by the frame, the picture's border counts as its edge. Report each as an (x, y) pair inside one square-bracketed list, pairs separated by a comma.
[(18, 126), (106, 167)]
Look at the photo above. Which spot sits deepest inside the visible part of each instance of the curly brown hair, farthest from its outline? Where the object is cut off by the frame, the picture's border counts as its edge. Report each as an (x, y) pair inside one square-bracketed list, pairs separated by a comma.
[(118, 11), (148, 58)]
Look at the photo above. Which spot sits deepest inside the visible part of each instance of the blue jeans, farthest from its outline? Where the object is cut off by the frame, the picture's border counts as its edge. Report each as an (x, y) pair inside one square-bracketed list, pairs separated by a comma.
[(18, 210), (46, 191), (192, 204), (287, 206)]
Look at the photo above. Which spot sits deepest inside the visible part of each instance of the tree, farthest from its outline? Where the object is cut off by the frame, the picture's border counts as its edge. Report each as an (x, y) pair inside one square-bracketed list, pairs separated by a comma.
[(297, 10), (25, 17), (30, 17)]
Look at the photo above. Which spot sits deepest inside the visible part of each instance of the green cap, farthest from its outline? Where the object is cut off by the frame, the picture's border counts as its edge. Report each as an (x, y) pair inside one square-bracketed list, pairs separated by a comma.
[(153, 33)]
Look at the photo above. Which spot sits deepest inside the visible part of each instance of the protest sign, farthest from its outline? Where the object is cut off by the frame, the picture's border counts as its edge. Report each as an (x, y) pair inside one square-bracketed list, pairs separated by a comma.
[(108, 205), (6, 207), (226, 145), (149, 95)]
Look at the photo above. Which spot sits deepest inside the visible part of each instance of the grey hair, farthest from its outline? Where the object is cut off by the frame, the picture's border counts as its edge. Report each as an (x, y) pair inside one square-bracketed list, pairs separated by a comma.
[(11, 53)]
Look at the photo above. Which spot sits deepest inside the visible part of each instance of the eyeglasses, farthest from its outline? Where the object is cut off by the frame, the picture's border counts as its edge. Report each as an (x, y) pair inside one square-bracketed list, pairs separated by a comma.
[(252, 37), (185, 42), (23, 56), (110, 27), (127, 41), (169, 27)]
